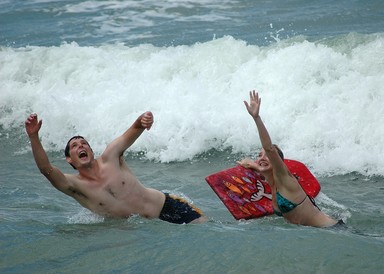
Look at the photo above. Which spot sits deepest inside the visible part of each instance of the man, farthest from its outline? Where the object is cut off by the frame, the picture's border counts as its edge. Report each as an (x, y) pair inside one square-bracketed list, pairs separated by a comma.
[(106, 185)]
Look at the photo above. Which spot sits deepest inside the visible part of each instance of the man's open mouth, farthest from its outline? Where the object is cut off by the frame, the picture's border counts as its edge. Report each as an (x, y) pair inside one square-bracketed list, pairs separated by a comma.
[(83, 154)]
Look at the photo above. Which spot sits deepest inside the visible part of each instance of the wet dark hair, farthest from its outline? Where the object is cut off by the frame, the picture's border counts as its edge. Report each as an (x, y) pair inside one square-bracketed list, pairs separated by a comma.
[(66, 151), (281, 154)]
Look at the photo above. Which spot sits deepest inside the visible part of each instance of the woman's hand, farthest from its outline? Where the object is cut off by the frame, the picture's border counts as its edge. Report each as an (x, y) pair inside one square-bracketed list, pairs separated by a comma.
[(247, 163), (254, 104)]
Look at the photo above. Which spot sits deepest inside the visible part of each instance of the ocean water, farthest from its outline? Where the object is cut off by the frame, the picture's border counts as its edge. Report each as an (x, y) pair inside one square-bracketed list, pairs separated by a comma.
[(91, 67)]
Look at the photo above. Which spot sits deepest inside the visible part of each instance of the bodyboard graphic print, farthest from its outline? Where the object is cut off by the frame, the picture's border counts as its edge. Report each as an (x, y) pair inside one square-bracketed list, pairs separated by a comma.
[(246, 193)]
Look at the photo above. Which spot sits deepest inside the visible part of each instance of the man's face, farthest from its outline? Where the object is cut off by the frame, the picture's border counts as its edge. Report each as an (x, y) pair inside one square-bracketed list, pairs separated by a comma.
[(80, 153)]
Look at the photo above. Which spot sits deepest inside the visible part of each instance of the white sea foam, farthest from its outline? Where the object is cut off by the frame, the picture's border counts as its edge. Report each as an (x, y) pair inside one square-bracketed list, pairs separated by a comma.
[(322, 102), (84, 216)]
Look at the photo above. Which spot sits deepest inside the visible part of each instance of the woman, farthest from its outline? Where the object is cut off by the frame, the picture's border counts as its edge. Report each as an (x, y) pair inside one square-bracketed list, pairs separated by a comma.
[(288, 197)]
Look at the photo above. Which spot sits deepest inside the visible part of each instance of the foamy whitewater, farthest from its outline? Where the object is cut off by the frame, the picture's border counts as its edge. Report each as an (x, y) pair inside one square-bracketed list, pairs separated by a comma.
[(92, 67), (321, 101)]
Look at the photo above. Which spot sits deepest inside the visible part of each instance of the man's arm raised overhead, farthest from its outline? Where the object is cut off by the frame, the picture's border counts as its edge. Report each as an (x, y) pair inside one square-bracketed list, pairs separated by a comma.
[(117, 147)]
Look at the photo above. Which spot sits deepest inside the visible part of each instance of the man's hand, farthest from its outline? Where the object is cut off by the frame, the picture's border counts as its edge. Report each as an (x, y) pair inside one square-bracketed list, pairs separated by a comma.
[(146, 120), (32, 125)]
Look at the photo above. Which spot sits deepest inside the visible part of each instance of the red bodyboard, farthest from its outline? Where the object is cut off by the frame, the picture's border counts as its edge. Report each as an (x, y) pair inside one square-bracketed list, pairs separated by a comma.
[(247, 195)]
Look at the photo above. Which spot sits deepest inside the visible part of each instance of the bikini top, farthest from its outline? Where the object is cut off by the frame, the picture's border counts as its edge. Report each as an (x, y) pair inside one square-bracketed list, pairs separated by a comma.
[(286, 205)]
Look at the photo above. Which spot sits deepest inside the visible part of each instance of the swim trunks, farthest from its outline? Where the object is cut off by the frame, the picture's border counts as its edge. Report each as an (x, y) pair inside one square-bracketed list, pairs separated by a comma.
[(179, 211)]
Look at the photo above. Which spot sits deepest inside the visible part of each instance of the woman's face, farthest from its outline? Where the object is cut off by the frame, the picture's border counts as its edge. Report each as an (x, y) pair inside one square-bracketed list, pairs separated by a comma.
[(263, 161)]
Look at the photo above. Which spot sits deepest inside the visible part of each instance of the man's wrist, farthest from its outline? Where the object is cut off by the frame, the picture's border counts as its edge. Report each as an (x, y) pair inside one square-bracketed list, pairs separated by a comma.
[(33, 136)]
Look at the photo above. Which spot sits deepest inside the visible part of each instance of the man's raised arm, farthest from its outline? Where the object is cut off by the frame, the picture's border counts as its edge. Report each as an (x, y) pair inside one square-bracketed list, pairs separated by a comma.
[(123, 142), (53, 174)]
